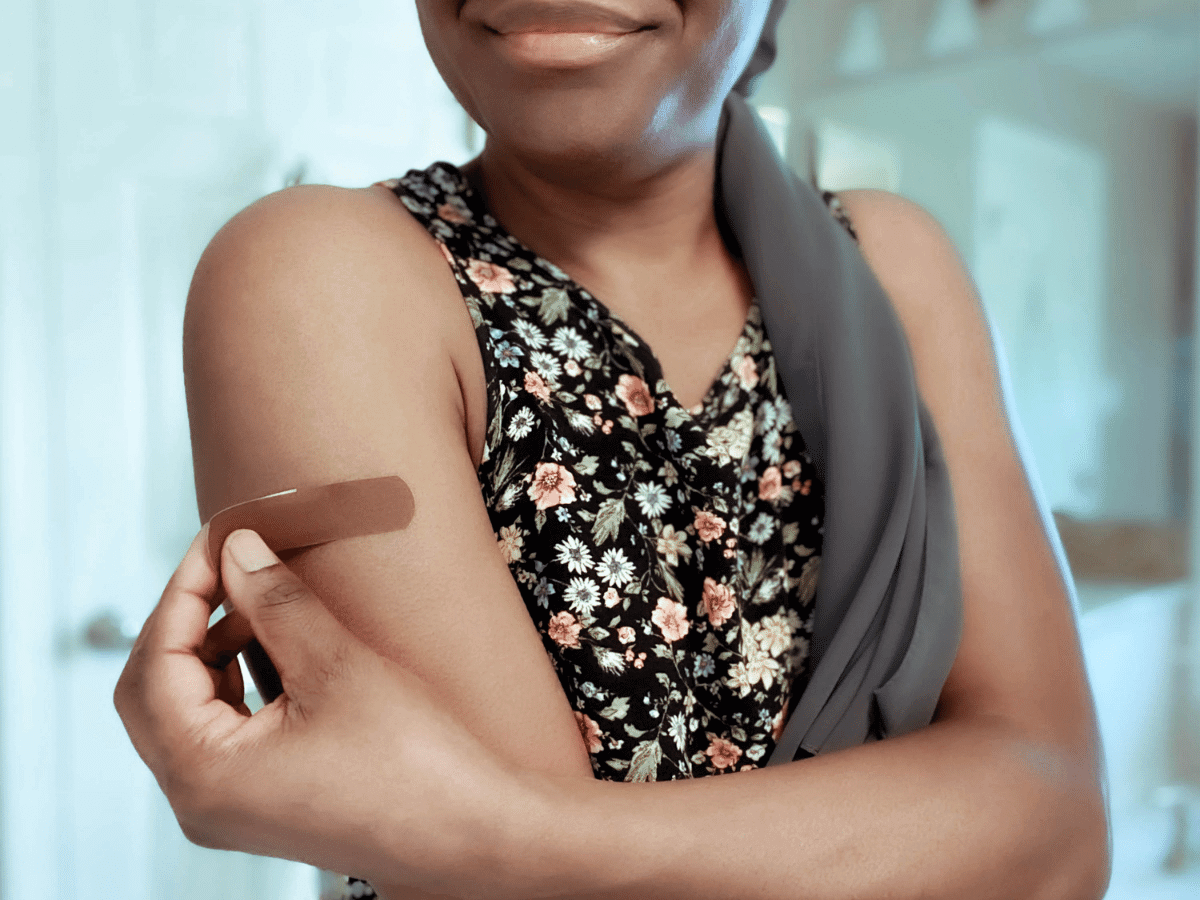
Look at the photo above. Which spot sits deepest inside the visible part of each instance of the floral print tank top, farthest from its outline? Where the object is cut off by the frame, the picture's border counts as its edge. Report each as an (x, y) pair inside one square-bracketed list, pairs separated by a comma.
[(668, 556)]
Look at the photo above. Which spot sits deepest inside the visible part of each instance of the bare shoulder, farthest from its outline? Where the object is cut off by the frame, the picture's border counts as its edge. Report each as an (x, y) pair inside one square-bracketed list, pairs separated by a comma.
[(907, 247), (308, 244), (309, 297), (936, 300)]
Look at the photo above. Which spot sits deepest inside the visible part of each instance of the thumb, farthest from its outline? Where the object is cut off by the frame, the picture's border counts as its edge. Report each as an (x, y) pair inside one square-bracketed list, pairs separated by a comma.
[(310, 649)]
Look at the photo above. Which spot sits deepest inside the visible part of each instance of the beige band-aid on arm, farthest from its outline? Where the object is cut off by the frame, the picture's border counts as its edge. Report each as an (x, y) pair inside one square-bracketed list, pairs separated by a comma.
[(306, 517)]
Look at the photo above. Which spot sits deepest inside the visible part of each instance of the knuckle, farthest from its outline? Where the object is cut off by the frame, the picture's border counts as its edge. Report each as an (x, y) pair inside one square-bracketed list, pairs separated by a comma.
[(284, 594)]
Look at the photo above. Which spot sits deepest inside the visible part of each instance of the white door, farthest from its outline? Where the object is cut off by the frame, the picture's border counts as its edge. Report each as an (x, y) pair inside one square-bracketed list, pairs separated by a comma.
[(1040, 205), (130, 130)]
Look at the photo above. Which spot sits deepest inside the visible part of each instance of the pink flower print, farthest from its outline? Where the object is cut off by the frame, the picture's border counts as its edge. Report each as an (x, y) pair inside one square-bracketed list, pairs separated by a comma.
[(723, 753), (592, 401), (450, 214), (537, 387), (635, 395), (590, 731), (572, 368), (564, 629), (671, 618), (552, 484), (446, 252), (777, 724), (490, 277), (640, 661), (717, 602), (709, 526), (791, 469), (511, 541), (625, 634), (806, 486), (672, 544), (770, 484), (598, 420), (607, 429), (747, 372), (611, 598)]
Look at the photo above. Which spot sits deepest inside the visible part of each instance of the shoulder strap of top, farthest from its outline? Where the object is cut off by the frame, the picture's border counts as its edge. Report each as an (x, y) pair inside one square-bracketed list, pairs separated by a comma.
[(834, 202)]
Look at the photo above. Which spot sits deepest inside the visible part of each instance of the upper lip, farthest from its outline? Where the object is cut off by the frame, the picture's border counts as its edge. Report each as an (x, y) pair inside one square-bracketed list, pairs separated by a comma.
[(561, 15)]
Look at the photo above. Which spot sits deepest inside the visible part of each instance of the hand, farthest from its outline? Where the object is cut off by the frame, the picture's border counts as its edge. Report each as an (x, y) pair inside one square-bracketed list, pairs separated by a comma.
[(354, 768)]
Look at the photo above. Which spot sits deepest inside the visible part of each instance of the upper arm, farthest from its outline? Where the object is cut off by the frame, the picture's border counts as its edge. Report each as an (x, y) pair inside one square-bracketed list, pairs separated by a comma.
[(317, 349), (1020, 659)]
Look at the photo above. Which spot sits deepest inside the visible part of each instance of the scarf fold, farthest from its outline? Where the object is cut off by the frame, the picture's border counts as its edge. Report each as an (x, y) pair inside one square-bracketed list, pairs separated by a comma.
[(888, 616)]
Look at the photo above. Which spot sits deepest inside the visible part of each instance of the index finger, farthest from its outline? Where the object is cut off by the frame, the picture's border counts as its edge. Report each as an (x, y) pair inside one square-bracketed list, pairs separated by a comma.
[(180, 620)]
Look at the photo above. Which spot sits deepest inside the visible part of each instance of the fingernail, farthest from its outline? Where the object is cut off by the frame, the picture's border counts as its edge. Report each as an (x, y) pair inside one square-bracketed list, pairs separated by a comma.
[(249, 552)]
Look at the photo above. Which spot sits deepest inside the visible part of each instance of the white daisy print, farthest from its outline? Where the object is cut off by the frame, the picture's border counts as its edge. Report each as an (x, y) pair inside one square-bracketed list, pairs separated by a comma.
[(583, 594), (547, 364), (575, 555), (530, 334), (652, 498), (521, 423), (570, 343), (614, 568)]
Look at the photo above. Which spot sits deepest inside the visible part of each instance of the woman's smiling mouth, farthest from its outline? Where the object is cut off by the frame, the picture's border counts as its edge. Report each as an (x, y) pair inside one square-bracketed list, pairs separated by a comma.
[(565, 49)]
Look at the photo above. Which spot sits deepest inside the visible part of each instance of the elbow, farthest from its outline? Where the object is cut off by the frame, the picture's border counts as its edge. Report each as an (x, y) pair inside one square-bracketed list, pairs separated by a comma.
[(1093, 884), (1083, 865)]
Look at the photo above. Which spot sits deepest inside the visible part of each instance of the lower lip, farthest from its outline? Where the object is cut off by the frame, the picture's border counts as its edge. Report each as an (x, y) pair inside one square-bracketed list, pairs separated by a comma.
[(565, 50)]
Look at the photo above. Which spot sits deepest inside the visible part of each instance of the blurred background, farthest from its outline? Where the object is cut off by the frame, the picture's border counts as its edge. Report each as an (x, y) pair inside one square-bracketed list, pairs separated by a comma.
[(1054, 139)]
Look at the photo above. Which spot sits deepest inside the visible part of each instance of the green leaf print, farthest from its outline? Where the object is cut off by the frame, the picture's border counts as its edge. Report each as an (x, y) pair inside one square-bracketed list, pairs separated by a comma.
[(633, 732), (505, 466), (676, 416), (495, 430), (644, 764), (608, 520), (587, 466), (755, 568), (608, 660), (790, 533), (617, 764), (674, 588), (473, 309), (617, 709), (555, 305)]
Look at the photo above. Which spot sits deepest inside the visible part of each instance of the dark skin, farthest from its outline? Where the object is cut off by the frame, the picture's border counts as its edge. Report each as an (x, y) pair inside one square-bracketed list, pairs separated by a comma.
[(1000, 797), (609, 172)]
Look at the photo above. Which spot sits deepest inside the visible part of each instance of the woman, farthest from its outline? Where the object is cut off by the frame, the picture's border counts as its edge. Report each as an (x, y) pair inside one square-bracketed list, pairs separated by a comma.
[(658, 529)]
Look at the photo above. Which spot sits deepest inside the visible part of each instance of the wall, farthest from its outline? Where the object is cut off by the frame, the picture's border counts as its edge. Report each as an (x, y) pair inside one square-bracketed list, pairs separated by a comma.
[(932, 119)]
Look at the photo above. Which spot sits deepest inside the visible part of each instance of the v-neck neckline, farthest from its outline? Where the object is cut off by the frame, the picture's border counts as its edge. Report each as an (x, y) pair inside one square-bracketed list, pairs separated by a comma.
[(701, 412)]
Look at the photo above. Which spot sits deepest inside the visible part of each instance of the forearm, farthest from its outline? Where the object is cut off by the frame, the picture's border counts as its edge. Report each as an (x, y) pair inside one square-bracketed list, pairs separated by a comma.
[(955, 810)]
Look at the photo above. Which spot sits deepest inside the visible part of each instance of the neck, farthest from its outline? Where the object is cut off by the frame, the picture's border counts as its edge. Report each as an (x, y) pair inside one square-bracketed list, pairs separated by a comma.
[(618, 235)]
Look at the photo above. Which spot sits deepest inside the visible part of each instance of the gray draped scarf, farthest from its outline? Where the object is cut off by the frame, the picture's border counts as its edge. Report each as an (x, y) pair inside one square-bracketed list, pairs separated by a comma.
[(888, 606)]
